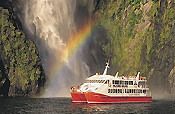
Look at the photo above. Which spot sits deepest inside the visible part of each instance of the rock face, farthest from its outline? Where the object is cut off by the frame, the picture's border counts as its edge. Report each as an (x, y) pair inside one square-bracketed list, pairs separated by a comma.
[(140, 37), (4, 89), (21, 72), (136, 35)]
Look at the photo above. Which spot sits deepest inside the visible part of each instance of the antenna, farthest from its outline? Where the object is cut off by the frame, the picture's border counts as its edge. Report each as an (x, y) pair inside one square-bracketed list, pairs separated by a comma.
[(106, 68)]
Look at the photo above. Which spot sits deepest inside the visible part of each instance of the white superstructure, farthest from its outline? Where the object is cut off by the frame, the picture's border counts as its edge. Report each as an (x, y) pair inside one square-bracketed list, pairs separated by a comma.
[(116, 85)]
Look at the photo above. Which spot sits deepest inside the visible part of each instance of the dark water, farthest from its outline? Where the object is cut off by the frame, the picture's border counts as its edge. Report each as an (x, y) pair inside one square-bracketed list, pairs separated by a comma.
[(64, 106)]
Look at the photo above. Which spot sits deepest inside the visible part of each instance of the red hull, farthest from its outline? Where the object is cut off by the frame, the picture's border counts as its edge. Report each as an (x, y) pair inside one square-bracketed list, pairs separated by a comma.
[(78, 97), (100, 98)]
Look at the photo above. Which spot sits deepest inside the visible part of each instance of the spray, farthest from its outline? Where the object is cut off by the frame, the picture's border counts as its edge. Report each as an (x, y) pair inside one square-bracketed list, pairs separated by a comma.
[(51, 23)]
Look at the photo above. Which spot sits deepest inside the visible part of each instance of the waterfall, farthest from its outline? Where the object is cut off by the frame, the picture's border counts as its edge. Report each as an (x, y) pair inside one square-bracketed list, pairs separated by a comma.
[(50, 23)]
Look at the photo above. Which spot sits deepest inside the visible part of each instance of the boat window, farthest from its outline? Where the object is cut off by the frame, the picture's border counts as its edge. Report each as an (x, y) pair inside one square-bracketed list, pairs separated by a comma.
[(134, 91), (112, 81), (113, 90), (140, 91), (144, 91), (130, 82), (127, 90), (121, 82), (106, 82), (120, 90), (116, 82), (135, 83), (126, 82), (142, 84)]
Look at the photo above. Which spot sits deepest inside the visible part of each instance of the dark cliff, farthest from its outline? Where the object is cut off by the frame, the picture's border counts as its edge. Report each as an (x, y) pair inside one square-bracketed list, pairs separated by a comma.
[(21, 72)]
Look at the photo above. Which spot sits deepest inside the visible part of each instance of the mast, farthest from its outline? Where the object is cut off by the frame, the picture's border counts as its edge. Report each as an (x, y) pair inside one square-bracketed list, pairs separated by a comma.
[(116, 74), (138, 75), (106, 68)]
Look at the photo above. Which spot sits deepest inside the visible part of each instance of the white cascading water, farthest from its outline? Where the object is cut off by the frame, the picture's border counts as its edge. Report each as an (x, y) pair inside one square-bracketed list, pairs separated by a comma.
[(51, 23)]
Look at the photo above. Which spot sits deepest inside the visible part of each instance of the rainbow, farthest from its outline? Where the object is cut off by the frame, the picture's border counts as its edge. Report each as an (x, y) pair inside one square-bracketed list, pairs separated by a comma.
[(75, 41)]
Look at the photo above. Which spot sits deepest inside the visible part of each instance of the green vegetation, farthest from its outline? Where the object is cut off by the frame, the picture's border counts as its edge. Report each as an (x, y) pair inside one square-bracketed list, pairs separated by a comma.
[(141, 37), (19, 58)]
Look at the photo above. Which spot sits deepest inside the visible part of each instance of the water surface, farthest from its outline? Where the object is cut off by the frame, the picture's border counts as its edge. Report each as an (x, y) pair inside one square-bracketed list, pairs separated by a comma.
[(20, 105)]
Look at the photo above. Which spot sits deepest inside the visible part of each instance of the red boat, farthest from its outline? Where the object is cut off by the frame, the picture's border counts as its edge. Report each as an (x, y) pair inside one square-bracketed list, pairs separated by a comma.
[(112, 89), (78, 97)]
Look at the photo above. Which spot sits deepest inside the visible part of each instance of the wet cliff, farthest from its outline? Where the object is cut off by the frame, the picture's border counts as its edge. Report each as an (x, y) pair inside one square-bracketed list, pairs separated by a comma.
[(140, 37), (21, 72), (135, 35)]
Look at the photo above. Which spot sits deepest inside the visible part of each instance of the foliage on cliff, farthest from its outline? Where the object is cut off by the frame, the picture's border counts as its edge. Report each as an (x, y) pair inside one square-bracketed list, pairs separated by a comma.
[(140, 38), (19, 58)]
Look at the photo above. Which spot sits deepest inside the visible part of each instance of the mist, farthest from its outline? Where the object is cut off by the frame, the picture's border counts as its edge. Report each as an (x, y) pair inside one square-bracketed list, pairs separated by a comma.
[(50, 24)]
